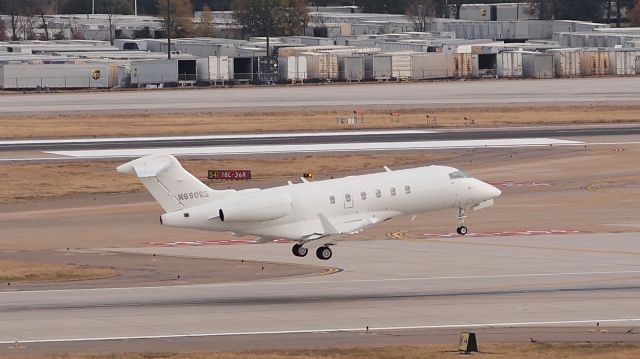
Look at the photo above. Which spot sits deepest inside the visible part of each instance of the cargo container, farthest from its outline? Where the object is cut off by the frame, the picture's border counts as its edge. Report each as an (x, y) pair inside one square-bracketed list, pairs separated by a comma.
[(378, 67), (566, 62), (163, 72), (401, 66), (213, 69), (292, 68), (351, 67), (466, 66), (432, 66), (595, 63), (537, 65), (623, 63), (509, 64), (61, 76), (321, 66)]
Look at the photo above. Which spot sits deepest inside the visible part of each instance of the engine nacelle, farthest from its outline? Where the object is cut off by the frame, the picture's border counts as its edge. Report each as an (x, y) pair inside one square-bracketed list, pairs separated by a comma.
[(257, 208)]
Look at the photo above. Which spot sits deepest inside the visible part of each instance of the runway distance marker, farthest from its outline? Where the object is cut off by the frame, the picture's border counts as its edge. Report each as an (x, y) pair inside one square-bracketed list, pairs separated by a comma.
[(335, 330)]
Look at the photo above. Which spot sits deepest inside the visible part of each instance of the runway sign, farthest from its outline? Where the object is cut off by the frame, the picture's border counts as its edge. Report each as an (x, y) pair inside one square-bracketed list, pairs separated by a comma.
[(231, 175)]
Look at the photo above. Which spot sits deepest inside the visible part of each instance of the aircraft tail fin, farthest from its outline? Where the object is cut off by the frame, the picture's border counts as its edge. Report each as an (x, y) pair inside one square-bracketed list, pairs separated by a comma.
[(169, 183)]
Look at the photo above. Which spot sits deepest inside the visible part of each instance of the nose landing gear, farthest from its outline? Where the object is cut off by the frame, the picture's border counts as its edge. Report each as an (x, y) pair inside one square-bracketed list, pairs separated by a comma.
[(461, 230)]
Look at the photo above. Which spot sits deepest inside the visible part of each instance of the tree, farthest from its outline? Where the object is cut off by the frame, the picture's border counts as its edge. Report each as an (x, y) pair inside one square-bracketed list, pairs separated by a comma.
[(421, 13), (204, 27), (634, 14), (102, 7), (276, 17), (588, 10), (179, 20), (384, 6), (3, 31)]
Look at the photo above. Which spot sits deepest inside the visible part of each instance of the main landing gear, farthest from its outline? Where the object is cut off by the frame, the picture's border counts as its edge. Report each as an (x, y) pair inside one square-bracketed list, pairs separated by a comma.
[(461, 230), (323, 252)]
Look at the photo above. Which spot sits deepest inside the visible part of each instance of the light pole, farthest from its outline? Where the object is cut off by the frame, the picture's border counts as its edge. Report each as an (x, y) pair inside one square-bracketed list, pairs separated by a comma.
[(268, 25), (168, 30)]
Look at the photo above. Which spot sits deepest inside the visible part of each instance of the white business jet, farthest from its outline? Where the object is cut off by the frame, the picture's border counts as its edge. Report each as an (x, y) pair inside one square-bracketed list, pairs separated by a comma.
[(312, 214)]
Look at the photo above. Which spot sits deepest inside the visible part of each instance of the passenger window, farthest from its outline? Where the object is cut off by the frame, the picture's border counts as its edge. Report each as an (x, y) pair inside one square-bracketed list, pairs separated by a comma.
[(363, 195), (378, 193), (347, 197), (407, 189), (393, 191), (332, 199)]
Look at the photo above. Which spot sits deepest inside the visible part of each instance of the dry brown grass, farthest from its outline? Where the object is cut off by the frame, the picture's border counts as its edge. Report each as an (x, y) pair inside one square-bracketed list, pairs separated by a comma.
[(29, 181), (201, 123), (19, 271), (550, 351)]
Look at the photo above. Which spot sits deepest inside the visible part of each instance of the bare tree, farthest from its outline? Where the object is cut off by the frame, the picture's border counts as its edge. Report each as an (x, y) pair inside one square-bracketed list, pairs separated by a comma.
[(204, 27), (421, 13)]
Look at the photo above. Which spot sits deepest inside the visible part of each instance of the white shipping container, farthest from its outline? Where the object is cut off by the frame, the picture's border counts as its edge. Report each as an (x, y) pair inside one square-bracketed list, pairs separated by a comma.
[(213, 68), (154, 72), (377, 67), (64, 76), (321, 66), (595, 63), (509, 64), (566, 62), (466, 66), (623, 63), (432, 66), (351, 68), (292, 68), (537, 65), (401, 66)]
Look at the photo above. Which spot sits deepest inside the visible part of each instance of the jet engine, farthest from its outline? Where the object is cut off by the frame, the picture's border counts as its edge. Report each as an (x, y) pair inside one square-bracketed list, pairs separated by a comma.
[(256, 208)]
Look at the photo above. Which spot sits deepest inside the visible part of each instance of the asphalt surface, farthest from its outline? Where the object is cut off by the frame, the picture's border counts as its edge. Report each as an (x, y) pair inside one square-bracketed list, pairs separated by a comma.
[(352, 137), (607, 91), (386, 285)]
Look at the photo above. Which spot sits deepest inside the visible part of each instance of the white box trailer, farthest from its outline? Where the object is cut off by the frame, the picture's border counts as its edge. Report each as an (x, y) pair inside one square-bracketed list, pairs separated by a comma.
[(292, 68), (213, 69), (181, 71), (623, 62), (432, 66), (595, 63), (466, 65), (537, 65), (321, 66), (351, 68), (377, 67), (509, 64), (60, 76), (566, 62), (401, 66)]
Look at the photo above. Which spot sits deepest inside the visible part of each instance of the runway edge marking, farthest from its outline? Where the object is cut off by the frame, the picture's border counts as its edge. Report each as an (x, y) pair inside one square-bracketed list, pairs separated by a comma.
[(332, 330)]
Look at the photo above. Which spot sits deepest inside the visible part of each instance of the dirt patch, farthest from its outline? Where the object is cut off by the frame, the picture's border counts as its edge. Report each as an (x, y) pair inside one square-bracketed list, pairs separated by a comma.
[(227, 122), (551, 351), (135, 270), (12, 271)]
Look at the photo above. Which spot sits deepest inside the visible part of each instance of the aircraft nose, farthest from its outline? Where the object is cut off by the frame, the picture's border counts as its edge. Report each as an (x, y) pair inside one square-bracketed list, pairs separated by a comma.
[(492, 191)]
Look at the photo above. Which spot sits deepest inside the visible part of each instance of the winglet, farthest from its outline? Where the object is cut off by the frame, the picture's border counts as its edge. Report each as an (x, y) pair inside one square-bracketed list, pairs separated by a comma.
[(327, 227), (387, 169)]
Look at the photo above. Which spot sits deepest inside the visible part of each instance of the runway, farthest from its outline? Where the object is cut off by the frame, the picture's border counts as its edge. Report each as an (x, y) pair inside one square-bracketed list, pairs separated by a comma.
[(337, 137), (390, 285), (284, 98)]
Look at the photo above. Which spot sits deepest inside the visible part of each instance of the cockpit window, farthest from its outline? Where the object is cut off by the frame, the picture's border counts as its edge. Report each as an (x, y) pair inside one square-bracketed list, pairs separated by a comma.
[(457, 174)]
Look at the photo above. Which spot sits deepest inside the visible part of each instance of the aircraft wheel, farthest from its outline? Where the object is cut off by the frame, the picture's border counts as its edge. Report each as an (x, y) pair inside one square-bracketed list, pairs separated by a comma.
[(462, 230), (324, 253), (299, 251)]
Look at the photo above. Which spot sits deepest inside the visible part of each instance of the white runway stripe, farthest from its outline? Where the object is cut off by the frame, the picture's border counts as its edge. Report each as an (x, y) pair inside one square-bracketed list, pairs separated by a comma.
[(337, 330), (330, 147)]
